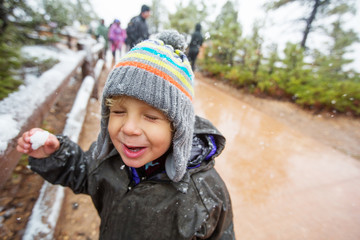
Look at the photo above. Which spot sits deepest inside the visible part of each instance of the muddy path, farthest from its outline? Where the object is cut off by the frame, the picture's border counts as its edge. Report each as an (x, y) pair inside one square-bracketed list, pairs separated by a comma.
[(284, 183)]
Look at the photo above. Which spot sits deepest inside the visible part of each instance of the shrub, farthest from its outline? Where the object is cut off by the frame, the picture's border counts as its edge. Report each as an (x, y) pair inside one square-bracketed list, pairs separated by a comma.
[(39, 65), (9, 63)]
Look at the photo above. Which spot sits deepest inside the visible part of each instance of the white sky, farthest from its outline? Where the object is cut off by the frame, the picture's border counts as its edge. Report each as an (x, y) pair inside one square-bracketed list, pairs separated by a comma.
[(249, 10), (111, 9)]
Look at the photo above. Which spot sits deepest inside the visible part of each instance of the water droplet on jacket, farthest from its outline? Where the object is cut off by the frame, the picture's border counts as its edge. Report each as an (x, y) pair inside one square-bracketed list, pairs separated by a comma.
[(75, 205)]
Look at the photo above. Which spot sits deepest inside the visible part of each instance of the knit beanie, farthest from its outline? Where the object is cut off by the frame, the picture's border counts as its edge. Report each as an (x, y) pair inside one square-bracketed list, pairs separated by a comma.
[(157, 72), (145, 8)]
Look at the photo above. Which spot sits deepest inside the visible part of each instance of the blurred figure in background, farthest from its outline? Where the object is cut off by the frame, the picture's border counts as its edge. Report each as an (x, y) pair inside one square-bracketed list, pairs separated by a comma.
[(102, 31), (117, 37), (137, 29), (195, 44)]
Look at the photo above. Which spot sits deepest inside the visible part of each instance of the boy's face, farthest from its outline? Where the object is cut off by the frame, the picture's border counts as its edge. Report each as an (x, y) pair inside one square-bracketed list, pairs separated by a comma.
[(139, 132)]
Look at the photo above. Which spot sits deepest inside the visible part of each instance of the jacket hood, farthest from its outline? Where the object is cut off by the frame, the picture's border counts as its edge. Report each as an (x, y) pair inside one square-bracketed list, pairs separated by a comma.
[(208, 142)]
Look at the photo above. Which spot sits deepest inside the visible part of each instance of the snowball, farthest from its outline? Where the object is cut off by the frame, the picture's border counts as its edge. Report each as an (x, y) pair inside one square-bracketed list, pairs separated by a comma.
[(38, 139)]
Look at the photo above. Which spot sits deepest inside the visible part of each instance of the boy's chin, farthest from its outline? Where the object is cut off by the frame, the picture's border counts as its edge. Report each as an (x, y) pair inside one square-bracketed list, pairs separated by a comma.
[(133, 163)]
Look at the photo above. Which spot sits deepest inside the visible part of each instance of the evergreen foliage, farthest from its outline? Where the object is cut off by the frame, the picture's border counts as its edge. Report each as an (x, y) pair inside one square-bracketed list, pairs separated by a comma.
[(185, 18), (19, 23), (313, 79), (225, 35), (155, 20), (65, 12), (8, 65), (316, 10)]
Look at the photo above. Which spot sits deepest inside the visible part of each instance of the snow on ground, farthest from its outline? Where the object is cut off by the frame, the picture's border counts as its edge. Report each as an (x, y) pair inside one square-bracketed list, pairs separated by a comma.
[(8, 128), (45, 52), (16, 109)]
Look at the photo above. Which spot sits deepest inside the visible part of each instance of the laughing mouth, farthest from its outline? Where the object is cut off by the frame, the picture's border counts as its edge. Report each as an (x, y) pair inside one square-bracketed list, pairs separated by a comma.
[(134, 149), (133, 152)]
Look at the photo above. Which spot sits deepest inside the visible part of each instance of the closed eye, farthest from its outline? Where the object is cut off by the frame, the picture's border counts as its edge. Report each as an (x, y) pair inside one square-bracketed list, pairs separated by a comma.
[(151, 117), (117, 112)]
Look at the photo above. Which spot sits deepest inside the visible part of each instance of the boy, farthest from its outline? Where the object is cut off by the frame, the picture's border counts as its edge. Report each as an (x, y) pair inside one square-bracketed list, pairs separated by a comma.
[(150, 173)]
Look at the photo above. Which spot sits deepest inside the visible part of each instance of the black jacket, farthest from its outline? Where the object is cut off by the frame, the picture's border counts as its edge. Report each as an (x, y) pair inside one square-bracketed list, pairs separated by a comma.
[(197, 207), (196, 40), (137, 31)]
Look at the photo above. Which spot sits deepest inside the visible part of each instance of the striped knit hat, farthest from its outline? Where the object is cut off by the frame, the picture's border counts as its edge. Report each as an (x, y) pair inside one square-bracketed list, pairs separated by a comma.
[(162, 77)]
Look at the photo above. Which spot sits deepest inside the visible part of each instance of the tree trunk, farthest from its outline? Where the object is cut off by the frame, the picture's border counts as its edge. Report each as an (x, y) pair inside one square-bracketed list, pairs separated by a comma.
[(309, 22), (3, 17), (258, 61)]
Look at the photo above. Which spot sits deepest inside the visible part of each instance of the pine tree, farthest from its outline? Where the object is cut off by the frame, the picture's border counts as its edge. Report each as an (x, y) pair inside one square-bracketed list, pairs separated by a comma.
[(155, 20), (317, 9), (331, 65), (185, 18), (225, 35)]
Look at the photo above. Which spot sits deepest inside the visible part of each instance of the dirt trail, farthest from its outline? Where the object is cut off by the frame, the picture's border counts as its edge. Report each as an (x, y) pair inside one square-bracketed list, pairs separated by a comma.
[(283, 183)]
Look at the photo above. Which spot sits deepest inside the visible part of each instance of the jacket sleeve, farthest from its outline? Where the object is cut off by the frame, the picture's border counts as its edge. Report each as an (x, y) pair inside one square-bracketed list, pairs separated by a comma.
[(224, 227), (229, 233), (68, 166), (216, 200)]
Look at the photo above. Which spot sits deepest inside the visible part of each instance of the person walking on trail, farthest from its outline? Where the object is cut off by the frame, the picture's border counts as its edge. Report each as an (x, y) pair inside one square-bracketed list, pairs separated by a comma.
[(195, 44), (117, 37), (102, 31), (137, 29), (150, 173)]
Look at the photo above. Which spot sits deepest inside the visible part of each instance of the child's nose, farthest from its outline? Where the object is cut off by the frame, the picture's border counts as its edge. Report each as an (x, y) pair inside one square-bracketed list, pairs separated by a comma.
[(131, 126)]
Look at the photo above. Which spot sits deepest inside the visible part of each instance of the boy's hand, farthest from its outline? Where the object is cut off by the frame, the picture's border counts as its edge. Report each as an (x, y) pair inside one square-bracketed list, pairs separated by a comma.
[(25, 145)]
